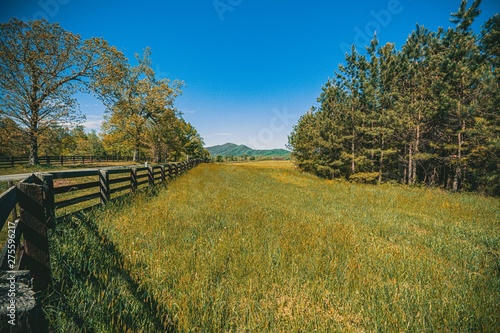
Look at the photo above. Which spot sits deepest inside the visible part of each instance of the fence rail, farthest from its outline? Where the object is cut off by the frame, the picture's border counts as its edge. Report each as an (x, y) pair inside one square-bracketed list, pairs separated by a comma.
[(41, 195), (11, 161)]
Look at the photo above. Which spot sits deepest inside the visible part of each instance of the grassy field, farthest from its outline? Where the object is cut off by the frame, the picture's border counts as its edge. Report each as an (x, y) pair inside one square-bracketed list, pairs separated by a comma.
[(261, 247)]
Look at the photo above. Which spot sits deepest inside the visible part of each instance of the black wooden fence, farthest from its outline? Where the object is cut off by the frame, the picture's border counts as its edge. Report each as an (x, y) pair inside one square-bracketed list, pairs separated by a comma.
[(39, 198), (11, 161)]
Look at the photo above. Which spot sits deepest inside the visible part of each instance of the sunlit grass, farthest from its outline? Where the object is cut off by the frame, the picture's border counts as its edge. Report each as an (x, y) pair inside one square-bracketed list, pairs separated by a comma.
[(261, 247)]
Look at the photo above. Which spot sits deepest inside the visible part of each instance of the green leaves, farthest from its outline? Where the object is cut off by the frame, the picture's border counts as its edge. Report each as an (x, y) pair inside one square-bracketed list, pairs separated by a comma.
[(41, 67), (427, 113), (142, 117)]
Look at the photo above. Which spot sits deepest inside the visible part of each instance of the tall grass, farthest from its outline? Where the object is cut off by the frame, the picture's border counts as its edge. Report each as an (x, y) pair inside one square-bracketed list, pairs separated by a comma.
[(261, 247)]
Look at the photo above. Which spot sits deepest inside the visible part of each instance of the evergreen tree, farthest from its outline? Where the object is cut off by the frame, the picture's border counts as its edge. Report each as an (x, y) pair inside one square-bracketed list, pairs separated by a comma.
[(425, 114)]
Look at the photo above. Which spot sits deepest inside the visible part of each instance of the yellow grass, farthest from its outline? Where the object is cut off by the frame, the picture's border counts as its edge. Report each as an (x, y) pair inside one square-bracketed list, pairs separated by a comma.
[(261, 247)]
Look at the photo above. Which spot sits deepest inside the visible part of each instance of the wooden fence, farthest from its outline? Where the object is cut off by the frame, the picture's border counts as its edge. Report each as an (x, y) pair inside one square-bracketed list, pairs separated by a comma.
[(10, 162), (40, 196)]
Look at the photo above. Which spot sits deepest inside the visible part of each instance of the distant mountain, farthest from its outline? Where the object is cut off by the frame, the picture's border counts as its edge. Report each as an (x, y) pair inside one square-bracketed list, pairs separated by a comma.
[(231, 149)]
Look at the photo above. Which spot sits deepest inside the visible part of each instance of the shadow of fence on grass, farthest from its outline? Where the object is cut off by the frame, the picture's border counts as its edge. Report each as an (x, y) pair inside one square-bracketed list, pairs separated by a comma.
[(92, 290)]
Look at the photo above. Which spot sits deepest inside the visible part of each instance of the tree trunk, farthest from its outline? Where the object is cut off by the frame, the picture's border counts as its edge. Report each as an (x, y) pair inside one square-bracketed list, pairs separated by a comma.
[(33, 139), (457, 179), (380, 169), (352, 151), (158, 152), (403, 163), (166, 154), (353, 141), (137, 145), (136, 154), (410, 166), (414, 163), (372, 152)]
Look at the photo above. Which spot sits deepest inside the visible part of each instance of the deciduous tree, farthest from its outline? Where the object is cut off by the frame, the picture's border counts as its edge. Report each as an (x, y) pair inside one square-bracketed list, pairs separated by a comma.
[(140, 101), (41, 67)]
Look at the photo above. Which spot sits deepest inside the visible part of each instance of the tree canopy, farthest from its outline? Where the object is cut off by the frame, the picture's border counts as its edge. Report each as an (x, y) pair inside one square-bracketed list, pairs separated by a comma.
[(425, 114), (42, 66)]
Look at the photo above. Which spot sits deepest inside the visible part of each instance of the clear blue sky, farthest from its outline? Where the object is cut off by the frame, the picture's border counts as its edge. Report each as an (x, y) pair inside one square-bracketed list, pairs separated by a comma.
[(251, 67)]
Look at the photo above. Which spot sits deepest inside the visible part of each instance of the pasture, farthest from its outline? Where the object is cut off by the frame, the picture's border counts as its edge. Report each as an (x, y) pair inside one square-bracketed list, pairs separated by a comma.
[(262, 247)]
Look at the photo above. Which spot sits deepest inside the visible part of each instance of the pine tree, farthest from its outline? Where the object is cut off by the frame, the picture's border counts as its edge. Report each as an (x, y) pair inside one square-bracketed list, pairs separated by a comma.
[(425, 114)]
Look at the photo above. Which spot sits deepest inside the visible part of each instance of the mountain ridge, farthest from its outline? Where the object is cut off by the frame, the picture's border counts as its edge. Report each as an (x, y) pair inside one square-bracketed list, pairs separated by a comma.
[(231, 149)]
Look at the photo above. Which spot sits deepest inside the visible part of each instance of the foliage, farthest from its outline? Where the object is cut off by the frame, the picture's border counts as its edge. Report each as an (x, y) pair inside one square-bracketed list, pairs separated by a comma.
[(142, 116), (41, 67), (12, 140), (365, 177), (427, 113)]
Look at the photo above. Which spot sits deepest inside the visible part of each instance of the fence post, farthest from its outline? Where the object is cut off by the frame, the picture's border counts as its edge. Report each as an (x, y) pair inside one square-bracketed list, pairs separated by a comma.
[(10, 183), (169, 171), (151, 175), (162, 173), (133, 179), (104, 186), (47, 160), (12, 161), (34, 219), (62, 160), (49, 197)]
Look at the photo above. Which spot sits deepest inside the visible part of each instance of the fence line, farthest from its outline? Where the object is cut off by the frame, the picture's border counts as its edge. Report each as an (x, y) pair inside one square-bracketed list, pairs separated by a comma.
[(11, 161), (41, 195)]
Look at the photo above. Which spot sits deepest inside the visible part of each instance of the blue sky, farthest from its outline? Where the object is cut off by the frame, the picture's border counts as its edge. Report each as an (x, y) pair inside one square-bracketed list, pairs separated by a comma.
[(251, 67)]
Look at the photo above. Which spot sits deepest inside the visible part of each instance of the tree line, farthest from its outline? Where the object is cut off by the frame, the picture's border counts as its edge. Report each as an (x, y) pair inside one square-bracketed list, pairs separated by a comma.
[(425, 114), (43, 66)]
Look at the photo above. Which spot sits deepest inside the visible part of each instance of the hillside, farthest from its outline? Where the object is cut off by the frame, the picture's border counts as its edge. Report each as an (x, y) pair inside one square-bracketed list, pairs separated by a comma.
[(231, 149)]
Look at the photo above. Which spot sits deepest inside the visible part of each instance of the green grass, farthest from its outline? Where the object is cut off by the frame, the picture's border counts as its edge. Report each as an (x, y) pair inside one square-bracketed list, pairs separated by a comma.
[(261, 247)]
